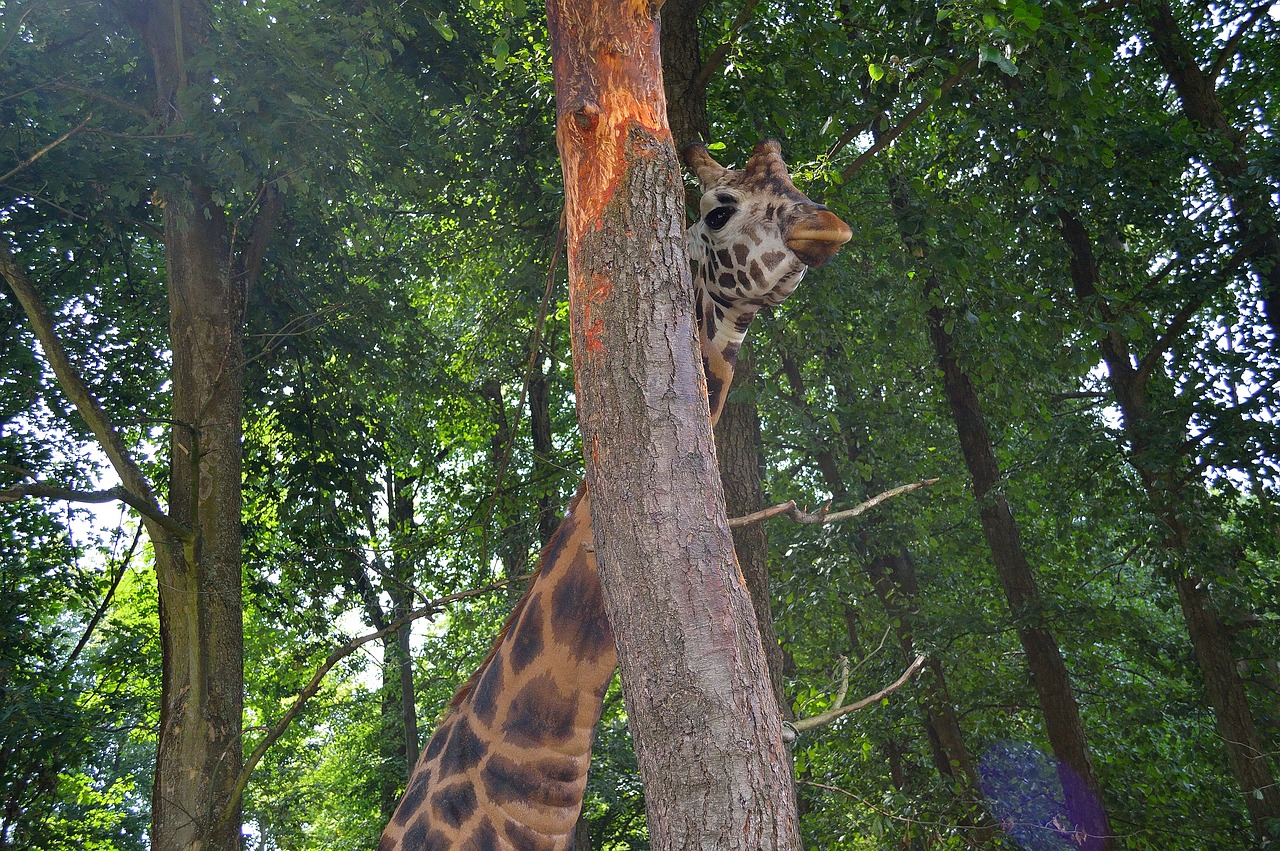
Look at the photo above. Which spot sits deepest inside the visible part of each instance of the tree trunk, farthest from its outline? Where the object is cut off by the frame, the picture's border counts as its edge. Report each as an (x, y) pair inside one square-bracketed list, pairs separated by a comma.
[(738, 444), (1165, 482), (399, 739), (737, 434), (706, 726), (199, 749), (1081, 788), (543, 447), (681, 64)]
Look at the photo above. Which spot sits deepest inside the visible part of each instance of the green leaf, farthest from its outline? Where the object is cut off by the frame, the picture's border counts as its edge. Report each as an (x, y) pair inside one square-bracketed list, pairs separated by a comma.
[(875, 71)]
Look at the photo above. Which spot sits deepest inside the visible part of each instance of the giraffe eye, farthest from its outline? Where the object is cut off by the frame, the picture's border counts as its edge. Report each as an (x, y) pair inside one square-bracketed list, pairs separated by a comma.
[(719, 217)]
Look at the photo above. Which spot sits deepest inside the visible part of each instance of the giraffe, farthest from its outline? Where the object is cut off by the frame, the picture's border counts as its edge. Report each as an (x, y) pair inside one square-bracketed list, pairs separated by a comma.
[(507, 766)]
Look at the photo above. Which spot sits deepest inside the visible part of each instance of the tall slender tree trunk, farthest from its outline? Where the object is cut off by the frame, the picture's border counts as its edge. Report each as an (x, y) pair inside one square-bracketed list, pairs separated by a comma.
[(1153, 437), (199, 749), (399, 739), (1065, 729), (199, 752), (706, 725)]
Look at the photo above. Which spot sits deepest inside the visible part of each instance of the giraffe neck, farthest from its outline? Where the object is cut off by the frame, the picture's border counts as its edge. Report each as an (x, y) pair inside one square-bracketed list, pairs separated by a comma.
[(509, 761), (507, 767)]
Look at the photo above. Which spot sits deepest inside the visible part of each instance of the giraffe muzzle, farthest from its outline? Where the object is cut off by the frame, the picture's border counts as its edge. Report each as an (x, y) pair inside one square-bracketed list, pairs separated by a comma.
[(817, 239)]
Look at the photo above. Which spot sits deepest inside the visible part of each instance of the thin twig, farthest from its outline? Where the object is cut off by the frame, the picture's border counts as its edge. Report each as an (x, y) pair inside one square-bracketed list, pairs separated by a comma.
[(722, 50), (839, 712), (106, 600), (819, 518), (25, 164)]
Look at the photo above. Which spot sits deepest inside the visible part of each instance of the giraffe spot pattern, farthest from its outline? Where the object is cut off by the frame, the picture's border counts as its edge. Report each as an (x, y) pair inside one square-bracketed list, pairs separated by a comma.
[(527, 643), (539, 713), (455, 804), (507, 781), (771, 259), (484, 839), (463, 752), (413, 797), (578, 610), (715, 386), (527, 839), (420, 837), (484, 699), (437, 740)]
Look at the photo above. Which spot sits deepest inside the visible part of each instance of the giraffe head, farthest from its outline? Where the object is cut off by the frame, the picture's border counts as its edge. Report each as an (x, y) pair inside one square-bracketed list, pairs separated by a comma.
[(757, 233)]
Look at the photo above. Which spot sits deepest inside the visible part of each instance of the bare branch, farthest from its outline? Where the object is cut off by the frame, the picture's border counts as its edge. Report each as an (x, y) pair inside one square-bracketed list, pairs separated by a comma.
[(1256, 14), (820, 518), (25, 164), (841, 711), (117, 575), (44, 490)]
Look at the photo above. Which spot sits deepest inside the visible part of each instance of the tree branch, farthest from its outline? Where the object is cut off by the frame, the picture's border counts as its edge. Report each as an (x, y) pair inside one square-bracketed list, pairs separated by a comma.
[(722, 50), (119, 493), (907, 120), (838, 711), (820, 518), (1256, 14), (135, 483), (106, 601)]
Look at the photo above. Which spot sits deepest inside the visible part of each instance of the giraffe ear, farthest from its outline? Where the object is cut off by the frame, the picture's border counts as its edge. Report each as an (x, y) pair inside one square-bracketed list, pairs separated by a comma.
[(708, 170)]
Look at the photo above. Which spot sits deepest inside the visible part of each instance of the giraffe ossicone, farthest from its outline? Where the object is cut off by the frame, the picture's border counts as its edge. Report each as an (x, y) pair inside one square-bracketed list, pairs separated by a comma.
[(506, 769)]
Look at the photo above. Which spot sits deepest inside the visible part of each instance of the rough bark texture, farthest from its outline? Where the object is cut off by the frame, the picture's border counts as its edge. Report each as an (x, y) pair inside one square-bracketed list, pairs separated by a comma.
[(1153, 430), (737, 434), (706, 725), (200, 605), (1063, 725)]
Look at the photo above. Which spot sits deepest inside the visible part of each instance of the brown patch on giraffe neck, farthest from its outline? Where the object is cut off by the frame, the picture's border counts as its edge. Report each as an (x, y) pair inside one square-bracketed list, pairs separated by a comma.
[(566, 529)]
